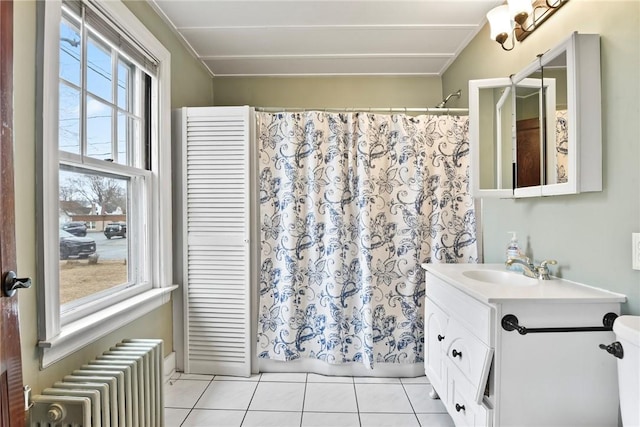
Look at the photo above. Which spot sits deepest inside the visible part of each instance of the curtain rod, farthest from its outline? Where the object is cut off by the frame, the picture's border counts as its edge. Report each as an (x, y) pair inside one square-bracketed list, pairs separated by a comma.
[(367, 110)]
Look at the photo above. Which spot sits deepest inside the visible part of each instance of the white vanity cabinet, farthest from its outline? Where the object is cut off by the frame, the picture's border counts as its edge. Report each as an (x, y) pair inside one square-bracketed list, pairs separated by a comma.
[(489, 376), (458, 351)]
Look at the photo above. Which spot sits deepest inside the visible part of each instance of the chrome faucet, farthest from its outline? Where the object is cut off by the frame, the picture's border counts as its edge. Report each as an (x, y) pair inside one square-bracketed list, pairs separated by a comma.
[(530, 270)]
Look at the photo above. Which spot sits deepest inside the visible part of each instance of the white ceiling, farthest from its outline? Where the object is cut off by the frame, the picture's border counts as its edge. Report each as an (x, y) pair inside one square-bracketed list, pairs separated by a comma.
[(325, 37)]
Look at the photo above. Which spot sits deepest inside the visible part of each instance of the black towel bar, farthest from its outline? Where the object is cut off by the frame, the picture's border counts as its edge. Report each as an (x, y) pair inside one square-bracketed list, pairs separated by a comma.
[(510, 323)]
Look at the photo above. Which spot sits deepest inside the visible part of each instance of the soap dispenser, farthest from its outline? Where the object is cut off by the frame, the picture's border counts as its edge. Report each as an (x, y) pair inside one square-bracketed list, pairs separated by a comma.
[(513, 251)]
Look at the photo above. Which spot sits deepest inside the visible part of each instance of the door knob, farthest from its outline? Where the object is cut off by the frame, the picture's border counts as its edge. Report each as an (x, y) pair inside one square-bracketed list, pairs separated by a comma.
[(12, 283)]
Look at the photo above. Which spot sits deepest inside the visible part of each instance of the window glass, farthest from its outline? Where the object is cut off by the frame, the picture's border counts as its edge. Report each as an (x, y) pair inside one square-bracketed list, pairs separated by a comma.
[(99, 70), (127, 134), (96, 252), (93, 259), (69, 119), (124, 85), (99, 129), (70, 52)]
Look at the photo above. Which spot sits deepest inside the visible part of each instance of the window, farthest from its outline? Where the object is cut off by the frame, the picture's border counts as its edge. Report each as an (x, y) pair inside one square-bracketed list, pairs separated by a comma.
[(105, 184)]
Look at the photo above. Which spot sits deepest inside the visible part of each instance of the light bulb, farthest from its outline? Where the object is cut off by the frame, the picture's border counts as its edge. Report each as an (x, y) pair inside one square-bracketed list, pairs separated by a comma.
[(500, 23)]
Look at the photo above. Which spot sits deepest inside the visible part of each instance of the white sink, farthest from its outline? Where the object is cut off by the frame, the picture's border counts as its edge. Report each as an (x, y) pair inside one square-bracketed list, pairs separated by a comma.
[(500, 277)]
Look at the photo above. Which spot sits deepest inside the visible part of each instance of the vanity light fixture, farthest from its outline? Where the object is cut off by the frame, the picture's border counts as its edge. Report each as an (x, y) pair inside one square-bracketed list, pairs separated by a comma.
[(519, 18)]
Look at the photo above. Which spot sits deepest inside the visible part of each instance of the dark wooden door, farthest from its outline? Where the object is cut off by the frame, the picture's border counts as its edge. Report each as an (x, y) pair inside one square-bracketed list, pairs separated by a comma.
[(528, 152), (12, 412)]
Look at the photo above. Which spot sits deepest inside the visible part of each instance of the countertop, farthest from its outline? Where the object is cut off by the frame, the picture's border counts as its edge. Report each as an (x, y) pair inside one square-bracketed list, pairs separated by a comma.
[(554, 290)]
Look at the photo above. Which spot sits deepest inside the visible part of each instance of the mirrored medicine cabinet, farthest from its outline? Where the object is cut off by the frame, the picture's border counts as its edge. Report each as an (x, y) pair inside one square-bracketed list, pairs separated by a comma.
[(538, 132)]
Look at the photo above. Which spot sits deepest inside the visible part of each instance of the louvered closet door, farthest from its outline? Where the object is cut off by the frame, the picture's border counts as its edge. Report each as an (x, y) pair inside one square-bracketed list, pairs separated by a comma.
[(217, 263)]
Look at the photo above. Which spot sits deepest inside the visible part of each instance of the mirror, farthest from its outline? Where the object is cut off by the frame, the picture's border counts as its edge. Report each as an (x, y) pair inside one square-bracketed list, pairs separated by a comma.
[(541, 137), (493, 100), (558, 146), (538, 133), (535, 109)]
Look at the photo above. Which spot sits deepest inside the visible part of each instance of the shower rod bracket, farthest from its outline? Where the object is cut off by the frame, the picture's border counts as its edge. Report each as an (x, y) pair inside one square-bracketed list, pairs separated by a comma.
[(510, 323)]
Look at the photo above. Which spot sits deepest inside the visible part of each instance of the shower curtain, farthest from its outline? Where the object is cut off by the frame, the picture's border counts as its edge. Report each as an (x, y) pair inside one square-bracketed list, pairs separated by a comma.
[(350, 205)]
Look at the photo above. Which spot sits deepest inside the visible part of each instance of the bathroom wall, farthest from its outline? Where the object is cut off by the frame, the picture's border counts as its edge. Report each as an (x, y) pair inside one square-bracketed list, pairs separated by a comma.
[(191, 85), (589, 234), (329, 92)]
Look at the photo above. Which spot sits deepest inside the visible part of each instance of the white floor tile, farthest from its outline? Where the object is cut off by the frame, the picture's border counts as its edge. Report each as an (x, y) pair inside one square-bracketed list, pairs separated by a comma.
[(214, 418), (388, 420), (420, 400), (173, 417), (317, 378), (333, 419), (272, 419), (278, 396), (293, 377), (227, 395), (435, 420), (330, 397), (417, 380), (254, 378), (183, 393), (278, 399), (389, 398), (374, 380)]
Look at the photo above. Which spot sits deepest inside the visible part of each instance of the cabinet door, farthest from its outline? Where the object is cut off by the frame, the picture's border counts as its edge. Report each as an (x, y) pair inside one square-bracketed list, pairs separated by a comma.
[(462, 406), (470, 356), (436, 327), (216, 227)]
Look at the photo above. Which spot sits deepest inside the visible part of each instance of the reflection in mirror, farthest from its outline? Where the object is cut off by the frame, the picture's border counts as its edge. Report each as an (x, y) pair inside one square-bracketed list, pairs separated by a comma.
[(528, 135), (535, 132), (496, 163), (557, 159), (562, 147)]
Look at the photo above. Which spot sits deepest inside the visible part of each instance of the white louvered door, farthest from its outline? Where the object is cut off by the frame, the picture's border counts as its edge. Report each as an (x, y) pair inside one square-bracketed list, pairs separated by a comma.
[(217, 276)]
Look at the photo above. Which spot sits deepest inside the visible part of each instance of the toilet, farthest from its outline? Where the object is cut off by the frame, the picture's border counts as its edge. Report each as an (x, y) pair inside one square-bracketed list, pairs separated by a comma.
[(627, 330)]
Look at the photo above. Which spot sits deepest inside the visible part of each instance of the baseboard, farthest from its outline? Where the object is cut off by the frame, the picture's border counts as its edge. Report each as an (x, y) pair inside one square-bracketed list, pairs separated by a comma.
[(169, 366)]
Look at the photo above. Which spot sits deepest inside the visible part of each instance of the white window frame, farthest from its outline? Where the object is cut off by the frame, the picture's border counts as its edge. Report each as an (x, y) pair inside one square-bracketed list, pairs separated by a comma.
[(58, 336)]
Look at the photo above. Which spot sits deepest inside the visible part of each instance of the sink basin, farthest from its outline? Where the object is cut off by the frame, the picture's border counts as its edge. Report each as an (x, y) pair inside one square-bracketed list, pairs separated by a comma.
[(500, 277)]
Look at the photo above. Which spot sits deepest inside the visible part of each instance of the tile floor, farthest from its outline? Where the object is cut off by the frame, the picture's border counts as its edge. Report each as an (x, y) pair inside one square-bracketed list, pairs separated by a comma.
[(301, 400)]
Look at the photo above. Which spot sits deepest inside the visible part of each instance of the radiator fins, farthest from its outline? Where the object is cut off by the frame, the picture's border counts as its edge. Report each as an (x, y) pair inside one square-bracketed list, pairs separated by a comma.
[(121, 388)]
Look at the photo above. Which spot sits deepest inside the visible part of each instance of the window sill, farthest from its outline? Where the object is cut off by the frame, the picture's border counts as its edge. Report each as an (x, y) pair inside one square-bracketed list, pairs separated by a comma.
[(80, 333)]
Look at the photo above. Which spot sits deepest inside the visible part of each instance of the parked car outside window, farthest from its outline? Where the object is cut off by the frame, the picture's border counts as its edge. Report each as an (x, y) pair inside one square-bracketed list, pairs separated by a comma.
[(75, 246), (76, 228), (116, 229)]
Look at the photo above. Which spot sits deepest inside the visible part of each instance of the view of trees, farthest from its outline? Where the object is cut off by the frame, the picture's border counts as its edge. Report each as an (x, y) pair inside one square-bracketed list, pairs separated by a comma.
[(108, 194)]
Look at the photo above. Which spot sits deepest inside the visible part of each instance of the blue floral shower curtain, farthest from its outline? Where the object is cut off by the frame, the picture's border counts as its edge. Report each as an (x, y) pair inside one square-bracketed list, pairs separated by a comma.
[(350, 206)]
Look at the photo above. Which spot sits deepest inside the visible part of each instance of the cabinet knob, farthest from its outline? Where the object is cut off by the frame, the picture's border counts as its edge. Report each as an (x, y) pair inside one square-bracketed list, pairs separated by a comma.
[(456, 353), (440, 337), (459, 408)]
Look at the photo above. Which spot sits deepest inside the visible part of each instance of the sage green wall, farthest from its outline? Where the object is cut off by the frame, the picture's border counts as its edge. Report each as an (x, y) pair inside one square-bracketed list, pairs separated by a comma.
[(589, 234), (191, 85), (329, 92)]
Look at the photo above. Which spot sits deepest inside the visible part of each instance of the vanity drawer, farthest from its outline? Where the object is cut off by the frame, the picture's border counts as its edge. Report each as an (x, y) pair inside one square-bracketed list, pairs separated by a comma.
[(461, 406), (470, 356), (471, 313)]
